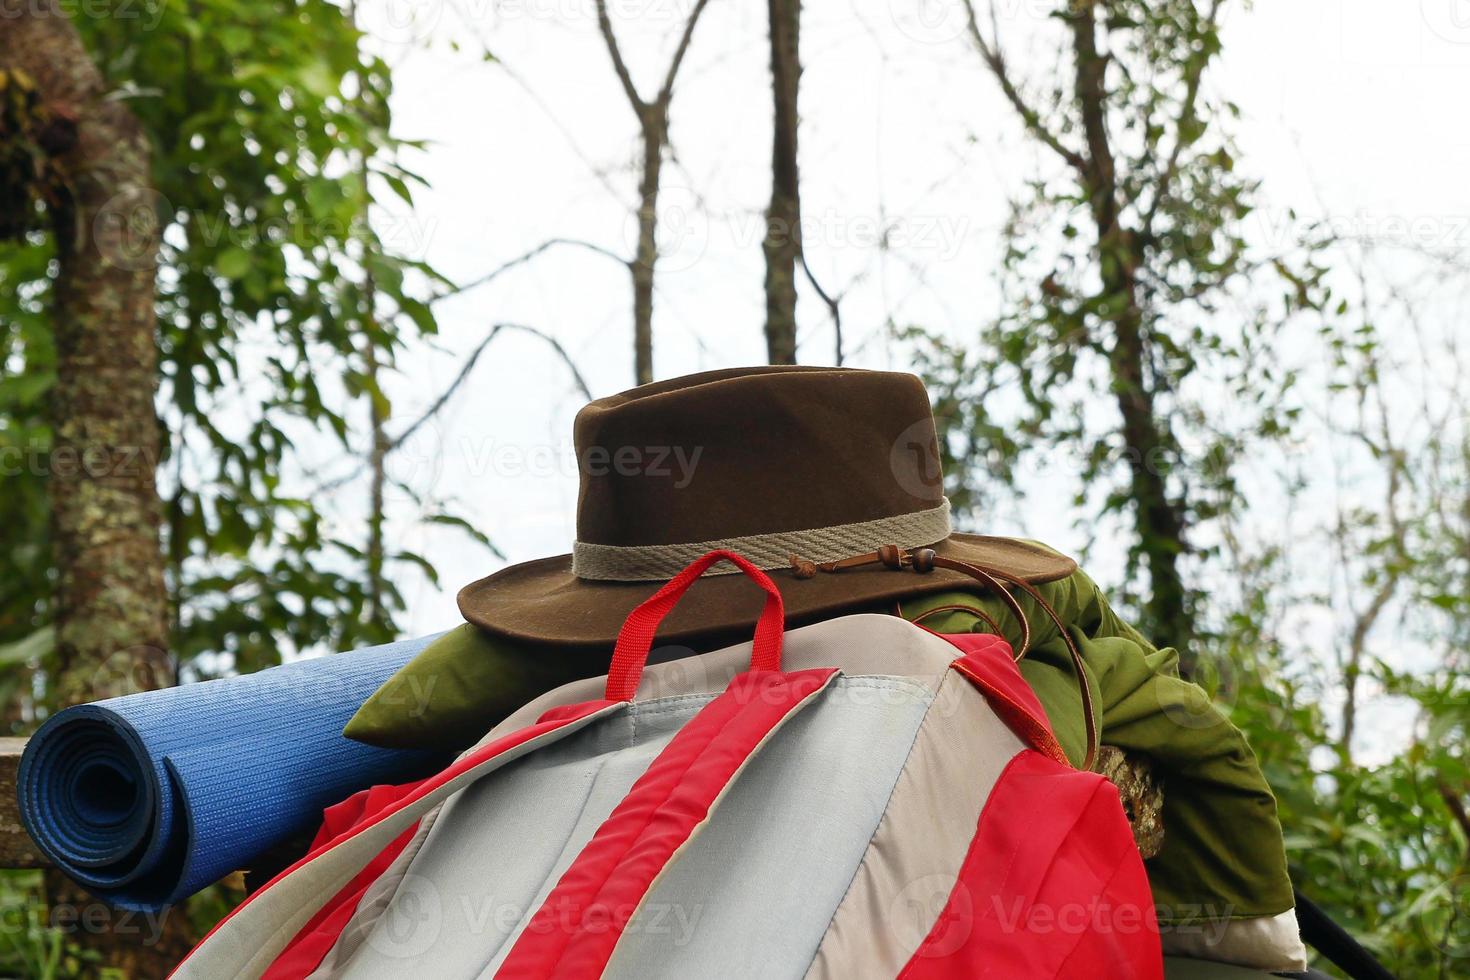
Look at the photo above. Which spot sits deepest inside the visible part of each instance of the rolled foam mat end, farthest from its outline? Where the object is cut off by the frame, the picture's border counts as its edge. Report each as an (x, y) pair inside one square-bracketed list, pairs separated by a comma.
[(146, 799)]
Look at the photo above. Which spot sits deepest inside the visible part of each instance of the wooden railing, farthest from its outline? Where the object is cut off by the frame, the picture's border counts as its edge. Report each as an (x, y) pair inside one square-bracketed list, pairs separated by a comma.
[(16, 849)]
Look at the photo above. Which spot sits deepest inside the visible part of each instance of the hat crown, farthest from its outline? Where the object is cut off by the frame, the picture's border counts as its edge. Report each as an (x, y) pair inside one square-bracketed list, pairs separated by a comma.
[(754, 451), (766, 462)]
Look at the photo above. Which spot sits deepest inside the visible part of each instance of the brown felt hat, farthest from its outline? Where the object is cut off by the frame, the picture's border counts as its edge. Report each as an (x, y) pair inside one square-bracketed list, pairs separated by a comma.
[(767, 462)]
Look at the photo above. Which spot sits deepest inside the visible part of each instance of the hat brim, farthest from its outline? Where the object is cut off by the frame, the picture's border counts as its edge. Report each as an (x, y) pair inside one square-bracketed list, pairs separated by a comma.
[(542, 602)]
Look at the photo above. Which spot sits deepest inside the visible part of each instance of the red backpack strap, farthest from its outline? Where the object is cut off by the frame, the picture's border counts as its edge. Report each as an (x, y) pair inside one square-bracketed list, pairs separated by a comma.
[(635, 639)]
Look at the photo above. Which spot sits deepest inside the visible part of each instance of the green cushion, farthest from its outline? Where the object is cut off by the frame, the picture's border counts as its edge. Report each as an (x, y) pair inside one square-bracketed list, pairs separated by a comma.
[(459, 687)]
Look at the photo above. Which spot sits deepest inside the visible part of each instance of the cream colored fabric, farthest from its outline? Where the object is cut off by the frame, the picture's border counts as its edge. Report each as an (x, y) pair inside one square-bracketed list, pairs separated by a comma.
[(913, 860), (1270, 942), (657, 562)]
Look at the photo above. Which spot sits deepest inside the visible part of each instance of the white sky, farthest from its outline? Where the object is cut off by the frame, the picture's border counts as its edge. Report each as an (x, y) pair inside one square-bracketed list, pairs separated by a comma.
[(1353, 110)]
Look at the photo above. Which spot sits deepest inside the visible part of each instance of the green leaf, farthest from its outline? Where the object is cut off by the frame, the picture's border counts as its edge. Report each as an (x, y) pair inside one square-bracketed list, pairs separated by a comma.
[(399, 187), (233, 263), (25, 390), (323, 197)]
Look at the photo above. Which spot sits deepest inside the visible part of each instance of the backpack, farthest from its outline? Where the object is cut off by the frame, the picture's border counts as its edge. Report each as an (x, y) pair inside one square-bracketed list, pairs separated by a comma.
[(857, 798)]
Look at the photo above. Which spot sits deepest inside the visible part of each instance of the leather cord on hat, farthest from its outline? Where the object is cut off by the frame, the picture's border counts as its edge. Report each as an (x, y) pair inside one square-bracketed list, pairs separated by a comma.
[(958, 607), (923, 560), (1084, 683)]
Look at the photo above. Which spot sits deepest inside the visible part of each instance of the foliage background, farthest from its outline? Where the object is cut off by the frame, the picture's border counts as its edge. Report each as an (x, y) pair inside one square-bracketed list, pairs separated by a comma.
[(318, 301)]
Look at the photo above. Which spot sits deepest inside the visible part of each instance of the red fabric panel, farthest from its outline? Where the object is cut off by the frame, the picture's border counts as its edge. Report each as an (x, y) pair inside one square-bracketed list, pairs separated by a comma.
[(364, 809), (357, 809), (989, 663), (635, 639), (573, 934), (1052, 886)]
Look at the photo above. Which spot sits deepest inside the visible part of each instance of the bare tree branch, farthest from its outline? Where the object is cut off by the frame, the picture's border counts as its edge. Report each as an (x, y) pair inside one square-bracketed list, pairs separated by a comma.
[(1456, 806), (833, 304), (667, 91), (527, 256), (598, 173), (1374, 429), (469, 366), (653, 125), (378, 471), (459, 379), (994, 58), (625, 77), (1100, 173)]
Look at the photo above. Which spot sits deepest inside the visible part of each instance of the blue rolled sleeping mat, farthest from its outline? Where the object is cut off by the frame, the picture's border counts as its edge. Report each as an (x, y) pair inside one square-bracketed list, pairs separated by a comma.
[(148, 798)]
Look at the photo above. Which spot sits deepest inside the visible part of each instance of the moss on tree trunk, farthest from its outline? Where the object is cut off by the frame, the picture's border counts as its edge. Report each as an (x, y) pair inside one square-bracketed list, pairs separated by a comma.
[(111, 602)]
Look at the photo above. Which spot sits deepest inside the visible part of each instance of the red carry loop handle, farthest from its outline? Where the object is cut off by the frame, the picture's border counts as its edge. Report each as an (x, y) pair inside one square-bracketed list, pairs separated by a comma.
[(635, 639)]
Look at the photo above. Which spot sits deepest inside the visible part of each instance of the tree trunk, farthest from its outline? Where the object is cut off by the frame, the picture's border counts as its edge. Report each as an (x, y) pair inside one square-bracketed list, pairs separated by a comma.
[(655, 128), (112, 609), (1159, 525), (783, 218), (653, 124), (111, 602), (376, 552), (1158, 522)]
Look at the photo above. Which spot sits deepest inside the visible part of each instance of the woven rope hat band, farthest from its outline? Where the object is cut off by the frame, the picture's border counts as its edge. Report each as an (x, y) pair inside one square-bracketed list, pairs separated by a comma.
[(651, 563)]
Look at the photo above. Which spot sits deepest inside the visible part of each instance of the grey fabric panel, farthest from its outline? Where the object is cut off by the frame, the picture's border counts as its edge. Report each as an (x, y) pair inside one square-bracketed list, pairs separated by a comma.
[(374, 900), (913, 860), (499, 846), (864, 644), (255, 935), (751, 894)]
